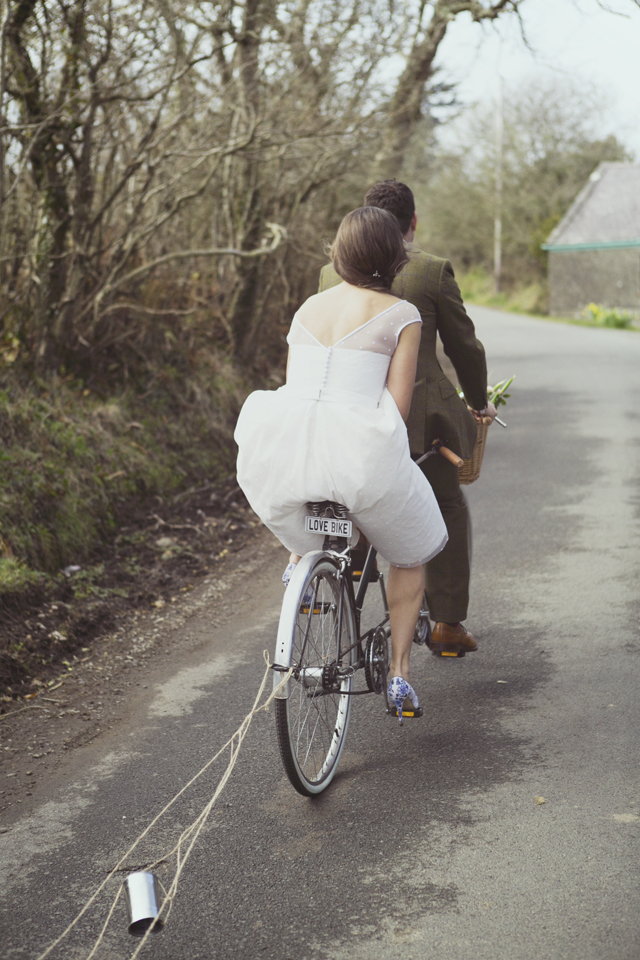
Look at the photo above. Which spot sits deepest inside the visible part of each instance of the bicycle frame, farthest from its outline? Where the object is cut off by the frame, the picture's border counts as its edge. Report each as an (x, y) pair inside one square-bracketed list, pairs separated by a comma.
[(337, 552)]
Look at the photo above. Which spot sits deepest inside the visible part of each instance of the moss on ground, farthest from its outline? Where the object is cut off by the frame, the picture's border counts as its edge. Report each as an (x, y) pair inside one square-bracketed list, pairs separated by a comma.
[(16, 579)]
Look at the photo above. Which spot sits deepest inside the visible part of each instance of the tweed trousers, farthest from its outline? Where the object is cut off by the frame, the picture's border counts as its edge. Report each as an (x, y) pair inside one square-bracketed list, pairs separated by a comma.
[(447, 575)]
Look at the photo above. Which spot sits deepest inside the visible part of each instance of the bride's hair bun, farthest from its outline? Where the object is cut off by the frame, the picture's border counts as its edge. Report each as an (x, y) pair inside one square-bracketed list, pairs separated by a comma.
[(368, 250)]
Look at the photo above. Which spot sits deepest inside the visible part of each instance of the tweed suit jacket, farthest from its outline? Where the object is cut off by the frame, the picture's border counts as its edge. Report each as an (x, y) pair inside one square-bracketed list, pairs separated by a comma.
[(437, 412)]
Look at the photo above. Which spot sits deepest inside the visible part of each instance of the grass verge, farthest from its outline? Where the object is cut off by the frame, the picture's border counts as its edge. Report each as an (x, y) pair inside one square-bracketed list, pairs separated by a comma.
[(477, 287), (73, 466), (88, 488)]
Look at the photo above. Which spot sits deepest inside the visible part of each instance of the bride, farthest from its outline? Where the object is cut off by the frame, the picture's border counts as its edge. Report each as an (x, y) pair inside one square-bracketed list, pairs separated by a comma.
[(336, 430)]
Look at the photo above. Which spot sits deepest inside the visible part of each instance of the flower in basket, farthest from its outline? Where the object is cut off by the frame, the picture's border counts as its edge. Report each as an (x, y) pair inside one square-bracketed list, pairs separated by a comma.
[(498, 395), (470, 469)]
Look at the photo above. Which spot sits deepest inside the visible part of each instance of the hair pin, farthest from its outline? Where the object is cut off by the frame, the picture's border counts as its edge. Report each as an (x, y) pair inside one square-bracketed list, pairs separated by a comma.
[(376, 274)]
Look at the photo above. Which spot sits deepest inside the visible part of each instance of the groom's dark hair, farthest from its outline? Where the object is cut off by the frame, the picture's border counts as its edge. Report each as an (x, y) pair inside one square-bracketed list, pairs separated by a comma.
[(395, 197)]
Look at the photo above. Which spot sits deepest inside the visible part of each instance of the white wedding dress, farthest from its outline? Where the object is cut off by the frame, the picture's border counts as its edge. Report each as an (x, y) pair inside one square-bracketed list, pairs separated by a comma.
[(334, 432)]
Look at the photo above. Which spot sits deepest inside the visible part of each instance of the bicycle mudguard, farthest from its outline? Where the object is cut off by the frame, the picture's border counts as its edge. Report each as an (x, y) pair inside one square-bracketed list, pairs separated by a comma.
[(290, 605)]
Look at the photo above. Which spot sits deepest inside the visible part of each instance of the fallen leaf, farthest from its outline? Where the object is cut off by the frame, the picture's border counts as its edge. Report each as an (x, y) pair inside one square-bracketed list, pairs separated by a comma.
[(539, 800)]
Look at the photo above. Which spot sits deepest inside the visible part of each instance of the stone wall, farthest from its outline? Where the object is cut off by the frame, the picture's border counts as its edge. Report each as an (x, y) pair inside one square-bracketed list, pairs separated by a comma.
[(607, 277)]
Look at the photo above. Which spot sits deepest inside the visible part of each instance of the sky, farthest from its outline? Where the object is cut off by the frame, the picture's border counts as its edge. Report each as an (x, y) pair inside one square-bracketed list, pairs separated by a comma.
[(569, 39)]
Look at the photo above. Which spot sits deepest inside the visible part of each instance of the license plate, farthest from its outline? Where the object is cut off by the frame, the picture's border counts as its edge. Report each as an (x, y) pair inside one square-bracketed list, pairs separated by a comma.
[(328, 526)]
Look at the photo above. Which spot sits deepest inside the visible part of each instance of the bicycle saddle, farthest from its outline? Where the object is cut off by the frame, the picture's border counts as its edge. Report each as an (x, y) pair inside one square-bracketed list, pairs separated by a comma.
[(324, 508)]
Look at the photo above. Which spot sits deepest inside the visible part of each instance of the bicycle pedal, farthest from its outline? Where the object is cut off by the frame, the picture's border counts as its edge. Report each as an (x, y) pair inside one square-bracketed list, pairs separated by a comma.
[(319, 608), (412, 714), (448, 653)]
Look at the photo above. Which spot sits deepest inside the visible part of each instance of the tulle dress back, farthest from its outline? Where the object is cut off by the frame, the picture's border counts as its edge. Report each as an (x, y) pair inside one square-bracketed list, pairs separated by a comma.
[(334, 432)]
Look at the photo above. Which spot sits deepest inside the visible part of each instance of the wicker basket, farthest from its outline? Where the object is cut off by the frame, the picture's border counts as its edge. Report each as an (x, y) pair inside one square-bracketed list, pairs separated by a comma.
[(470, 469)]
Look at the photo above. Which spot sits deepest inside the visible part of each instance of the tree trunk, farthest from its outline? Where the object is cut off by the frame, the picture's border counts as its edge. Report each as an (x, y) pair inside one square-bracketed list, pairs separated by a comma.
[(405, 107), (47, 162), (251, 226)]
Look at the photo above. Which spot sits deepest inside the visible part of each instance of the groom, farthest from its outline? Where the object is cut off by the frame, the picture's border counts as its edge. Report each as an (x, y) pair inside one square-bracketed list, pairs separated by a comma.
[(436, 410)]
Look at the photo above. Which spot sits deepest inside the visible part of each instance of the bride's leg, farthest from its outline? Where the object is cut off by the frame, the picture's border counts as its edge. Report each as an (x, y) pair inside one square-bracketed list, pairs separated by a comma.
[(404, 592)]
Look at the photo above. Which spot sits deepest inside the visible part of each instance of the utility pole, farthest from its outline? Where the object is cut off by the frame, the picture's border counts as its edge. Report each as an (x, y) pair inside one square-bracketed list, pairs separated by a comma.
[(497, 222)]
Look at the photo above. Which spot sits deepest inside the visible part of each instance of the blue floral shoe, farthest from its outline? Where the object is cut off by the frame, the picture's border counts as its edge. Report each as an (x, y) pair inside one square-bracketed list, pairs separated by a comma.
[(399, 690), (286, 577)]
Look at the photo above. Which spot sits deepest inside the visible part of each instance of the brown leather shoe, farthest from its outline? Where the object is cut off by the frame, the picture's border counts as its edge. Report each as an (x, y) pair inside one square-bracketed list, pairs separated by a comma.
[(447, 641)]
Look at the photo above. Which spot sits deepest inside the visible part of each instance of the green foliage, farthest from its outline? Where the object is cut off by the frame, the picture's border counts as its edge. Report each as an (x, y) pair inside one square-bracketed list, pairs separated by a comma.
[(539, 235), (9, 347), (15, 577), (86, 583), (478, 286), (73, 466), (607, 317)]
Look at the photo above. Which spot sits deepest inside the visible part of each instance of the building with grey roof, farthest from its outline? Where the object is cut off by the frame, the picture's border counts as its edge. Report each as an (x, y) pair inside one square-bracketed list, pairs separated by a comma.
[(594, 252)]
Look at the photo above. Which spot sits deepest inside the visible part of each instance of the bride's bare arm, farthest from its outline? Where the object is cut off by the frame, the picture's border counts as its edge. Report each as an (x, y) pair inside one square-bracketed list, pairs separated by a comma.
[(402, 369)]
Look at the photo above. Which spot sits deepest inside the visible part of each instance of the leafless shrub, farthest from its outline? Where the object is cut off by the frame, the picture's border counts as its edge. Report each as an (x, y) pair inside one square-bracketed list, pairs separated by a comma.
[(158, 153)]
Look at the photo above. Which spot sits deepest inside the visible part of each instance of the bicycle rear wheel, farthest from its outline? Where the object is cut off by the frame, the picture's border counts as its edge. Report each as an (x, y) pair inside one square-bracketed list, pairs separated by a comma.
[(312, 721)]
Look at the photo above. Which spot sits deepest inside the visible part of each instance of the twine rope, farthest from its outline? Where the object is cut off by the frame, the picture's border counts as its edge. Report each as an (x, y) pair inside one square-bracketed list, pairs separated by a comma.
[(191, 833)]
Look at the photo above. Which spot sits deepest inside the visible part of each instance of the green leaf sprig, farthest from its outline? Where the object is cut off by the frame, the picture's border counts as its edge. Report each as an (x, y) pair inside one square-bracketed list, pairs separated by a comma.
[(497, 395)]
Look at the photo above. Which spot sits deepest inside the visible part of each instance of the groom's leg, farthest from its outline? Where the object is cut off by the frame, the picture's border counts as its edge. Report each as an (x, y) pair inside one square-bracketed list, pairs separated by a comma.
[(447, 575)]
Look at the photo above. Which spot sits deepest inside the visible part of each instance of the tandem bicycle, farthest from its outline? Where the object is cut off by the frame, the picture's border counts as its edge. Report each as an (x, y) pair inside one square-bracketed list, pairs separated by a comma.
[(320, 641)]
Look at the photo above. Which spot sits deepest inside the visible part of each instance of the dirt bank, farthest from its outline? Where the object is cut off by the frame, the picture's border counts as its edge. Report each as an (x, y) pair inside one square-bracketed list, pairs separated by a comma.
[(191, 556)]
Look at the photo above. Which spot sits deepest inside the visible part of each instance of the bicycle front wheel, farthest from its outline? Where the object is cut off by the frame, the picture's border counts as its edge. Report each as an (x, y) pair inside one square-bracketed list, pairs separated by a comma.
[(312, 721)]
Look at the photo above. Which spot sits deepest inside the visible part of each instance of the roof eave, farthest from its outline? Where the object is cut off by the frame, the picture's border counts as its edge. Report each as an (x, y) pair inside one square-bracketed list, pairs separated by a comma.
[(596, 245)]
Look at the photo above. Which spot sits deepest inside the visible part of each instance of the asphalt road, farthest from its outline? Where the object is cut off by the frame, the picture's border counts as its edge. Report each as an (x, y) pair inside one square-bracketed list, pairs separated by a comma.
[(430, 842)]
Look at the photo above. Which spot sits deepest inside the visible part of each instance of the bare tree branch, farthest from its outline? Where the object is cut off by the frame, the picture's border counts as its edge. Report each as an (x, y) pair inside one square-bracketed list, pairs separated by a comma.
[(278, 232), (405, 107)]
